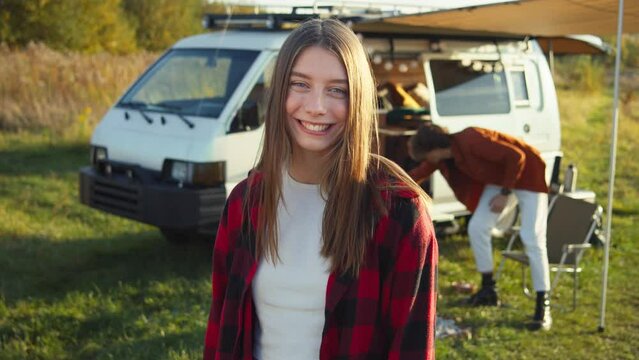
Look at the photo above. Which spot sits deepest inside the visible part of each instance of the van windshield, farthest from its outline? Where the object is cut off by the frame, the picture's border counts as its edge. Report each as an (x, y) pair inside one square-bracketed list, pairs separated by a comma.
[(195, 82)]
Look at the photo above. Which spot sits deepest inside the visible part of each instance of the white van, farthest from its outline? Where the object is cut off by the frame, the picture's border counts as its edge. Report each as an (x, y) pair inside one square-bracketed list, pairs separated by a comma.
[(189, 129)]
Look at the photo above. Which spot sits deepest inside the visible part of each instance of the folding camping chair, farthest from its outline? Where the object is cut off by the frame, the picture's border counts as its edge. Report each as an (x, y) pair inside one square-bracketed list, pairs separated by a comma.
[(571, 223)]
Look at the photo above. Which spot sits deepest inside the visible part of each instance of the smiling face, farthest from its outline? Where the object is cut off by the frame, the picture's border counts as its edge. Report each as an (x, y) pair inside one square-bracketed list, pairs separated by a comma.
[(317, 101)]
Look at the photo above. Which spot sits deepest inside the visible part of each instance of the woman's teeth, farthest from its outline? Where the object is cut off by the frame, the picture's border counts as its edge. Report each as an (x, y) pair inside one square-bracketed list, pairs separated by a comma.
[(315, 127)]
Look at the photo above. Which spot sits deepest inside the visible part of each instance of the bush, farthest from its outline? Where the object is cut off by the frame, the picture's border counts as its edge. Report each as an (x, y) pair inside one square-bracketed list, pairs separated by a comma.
[(630, 51), (582, 72), (160, 23), (115, 26), (80, 25)]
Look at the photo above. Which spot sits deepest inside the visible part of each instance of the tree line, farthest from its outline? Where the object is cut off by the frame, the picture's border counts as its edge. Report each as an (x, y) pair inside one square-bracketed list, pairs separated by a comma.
[(125, 26), (115, 26)]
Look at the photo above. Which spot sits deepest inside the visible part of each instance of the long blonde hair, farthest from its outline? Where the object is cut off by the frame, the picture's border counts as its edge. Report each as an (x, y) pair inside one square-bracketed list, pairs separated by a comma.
[(350, 183)]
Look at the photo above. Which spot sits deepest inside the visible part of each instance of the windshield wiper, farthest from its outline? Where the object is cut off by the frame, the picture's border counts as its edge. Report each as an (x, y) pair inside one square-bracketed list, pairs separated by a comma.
[(175, 110), (182, 117), (134, 104), (137, 105)]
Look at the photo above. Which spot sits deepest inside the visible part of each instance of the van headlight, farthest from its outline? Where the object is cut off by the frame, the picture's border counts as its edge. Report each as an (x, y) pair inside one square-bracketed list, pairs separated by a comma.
[(186, 172), (97, 154)]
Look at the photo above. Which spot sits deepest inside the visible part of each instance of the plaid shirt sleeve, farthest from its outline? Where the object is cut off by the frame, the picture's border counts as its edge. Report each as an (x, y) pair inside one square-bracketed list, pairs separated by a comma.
[(412, 287), (229, 224), (219, 282)]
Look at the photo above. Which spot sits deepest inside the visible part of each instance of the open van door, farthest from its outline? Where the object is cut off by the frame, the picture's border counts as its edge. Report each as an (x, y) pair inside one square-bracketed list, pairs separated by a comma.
[(466, 92), (528, 108)]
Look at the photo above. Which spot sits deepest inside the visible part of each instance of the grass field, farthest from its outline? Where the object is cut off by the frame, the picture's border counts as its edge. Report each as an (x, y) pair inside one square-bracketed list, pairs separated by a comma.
[(79, 284)]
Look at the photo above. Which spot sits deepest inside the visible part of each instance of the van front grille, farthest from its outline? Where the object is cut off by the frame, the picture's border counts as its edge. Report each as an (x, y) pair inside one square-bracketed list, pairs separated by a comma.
[(116, 198)]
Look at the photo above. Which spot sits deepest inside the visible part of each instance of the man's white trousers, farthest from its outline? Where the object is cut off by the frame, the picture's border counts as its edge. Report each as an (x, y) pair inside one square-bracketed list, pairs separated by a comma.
[(533, 207)]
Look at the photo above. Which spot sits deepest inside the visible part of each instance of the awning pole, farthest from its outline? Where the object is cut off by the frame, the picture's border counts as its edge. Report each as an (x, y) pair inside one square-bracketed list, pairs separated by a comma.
[(611, 176)]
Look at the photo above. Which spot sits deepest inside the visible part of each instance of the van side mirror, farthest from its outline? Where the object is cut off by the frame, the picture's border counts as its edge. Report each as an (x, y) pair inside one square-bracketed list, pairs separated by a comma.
[(251, 114), (246, 118)]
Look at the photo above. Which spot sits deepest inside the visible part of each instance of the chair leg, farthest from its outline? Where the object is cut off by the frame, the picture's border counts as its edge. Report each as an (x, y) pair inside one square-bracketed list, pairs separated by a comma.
[(500, 268), (556, 279), (575, 286)]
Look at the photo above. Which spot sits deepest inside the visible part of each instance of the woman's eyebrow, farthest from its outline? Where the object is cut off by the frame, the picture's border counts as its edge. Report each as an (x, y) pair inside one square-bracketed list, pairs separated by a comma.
[(302, 75)]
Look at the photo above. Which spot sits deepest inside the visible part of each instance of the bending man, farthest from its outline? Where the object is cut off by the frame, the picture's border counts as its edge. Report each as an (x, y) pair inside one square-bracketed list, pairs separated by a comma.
[(484, 167)]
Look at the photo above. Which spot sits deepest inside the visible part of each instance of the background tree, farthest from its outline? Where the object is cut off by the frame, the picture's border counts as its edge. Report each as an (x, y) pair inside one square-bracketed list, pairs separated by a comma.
[(115, 26), (160, 23), (630, 51), (84, 25)]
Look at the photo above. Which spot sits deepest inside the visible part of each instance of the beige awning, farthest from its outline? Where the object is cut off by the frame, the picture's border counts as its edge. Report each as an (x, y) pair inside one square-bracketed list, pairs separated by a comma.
[(539, 18), (571, 45), (551, 22)]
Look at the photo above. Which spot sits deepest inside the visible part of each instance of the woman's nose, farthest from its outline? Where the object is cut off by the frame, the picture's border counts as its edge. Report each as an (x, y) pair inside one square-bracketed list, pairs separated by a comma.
[(315, 103)]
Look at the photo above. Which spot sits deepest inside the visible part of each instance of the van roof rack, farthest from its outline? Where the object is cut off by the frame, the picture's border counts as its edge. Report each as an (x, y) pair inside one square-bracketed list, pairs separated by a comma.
[(280, 21)]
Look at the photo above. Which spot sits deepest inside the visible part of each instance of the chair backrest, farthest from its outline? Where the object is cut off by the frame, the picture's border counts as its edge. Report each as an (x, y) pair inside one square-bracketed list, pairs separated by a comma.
[(570, 221)]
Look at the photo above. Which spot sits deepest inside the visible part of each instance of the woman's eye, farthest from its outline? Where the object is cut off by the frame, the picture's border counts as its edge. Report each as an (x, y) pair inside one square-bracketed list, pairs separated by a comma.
[(339, 91), (298, 84)]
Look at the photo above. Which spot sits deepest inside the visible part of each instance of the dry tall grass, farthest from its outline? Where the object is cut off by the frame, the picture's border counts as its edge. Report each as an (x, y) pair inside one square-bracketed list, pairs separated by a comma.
[(67, 93), (42, 89)]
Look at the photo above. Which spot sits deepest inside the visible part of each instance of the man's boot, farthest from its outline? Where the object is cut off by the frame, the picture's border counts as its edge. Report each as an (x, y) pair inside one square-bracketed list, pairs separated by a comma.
[(542, 319), (487, 294)]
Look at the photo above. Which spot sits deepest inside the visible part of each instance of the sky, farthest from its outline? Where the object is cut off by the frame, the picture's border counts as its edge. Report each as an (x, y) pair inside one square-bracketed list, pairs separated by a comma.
[(410, 6)]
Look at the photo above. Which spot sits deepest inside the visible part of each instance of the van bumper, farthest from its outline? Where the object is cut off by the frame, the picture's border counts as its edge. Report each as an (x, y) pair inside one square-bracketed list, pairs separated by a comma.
[(139, 194)]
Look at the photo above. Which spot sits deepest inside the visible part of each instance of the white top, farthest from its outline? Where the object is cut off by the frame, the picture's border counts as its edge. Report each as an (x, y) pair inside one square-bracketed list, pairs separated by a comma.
[(290, 297)]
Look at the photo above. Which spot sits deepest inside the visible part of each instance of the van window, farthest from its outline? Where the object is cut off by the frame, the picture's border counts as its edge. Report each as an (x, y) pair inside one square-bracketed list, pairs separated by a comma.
[(251, 114), (194, 82), (535, 95), (469, 87), (520, 88)]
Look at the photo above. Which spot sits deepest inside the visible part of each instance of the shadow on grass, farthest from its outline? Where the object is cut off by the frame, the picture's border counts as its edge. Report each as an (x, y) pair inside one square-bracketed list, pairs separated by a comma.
[(42, 159), (41, 268), (624, 211), (132, 296), (187, 344)]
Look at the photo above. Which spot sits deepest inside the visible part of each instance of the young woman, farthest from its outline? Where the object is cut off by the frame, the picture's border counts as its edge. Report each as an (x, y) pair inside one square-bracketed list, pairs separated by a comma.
[(326, 250)]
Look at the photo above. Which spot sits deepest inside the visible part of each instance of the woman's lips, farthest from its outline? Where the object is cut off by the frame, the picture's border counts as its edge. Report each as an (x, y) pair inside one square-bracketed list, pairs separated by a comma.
[(314, 128)]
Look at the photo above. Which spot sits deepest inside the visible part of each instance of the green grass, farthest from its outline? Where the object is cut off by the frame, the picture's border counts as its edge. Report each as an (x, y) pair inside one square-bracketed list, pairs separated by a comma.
[(76, 283), (498, 333)]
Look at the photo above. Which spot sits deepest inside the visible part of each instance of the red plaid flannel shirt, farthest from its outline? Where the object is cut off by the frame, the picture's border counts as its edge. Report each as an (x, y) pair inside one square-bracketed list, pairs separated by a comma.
[(388, 312)]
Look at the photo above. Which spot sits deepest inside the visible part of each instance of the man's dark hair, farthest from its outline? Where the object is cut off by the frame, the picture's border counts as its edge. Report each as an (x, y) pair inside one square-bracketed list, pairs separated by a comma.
[(429, 137)]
